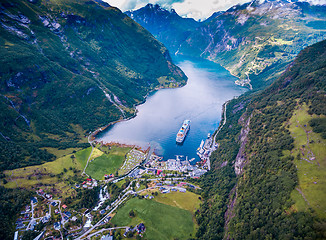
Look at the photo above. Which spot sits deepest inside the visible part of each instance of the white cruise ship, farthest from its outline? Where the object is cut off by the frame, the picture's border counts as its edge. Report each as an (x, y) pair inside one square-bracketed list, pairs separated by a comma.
[(183, 131)]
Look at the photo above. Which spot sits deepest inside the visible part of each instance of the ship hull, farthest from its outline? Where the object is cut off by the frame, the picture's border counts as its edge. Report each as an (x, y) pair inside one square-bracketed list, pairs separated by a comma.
[(182, 133)]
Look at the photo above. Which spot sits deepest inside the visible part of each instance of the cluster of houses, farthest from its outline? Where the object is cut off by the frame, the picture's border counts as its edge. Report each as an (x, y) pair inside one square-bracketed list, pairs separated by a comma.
[(140, 228), (108, 176), (41, 193), (148, 196), (155, 162), (180, 164), (89, 183), (205, 150), (171, 189), (26, 215)]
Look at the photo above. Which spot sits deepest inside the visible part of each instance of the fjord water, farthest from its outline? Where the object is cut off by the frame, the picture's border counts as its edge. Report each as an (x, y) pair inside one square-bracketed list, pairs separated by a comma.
[(160, 117)]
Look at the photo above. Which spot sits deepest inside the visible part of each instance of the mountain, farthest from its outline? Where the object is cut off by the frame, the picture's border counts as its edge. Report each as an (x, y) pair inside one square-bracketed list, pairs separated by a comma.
[(67, 68), (268, 177), (254, 41), (167, 26)]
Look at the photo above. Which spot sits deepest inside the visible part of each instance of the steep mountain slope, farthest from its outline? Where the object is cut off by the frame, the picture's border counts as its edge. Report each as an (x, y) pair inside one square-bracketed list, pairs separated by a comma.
[(68, 67), (167, 26), (268, 178), (256, 40)]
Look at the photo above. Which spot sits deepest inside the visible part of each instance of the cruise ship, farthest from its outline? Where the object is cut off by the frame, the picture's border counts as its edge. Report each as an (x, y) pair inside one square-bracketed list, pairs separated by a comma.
[(183, 131)]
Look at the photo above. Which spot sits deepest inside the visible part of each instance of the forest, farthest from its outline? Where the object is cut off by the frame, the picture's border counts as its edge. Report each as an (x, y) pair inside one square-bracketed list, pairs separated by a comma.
[(257, 204), (64, 70)]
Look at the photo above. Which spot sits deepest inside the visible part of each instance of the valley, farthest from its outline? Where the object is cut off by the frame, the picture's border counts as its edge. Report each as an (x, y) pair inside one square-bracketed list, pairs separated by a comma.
[(91, 102), (255, 41)]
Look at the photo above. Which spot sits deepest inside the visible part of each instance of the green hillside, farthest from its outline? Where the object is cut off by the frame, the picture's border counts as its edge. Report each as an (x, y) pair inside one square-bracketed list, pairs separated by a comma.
[(255, 41), (67, 68), (268, 180)]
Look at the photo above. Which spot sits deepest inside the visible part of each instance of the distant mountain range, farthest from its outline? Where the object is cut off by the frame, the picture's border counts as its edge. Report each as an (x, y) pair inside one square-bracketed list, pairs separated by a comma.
[(254, 41), (69, 67), (167, 26)]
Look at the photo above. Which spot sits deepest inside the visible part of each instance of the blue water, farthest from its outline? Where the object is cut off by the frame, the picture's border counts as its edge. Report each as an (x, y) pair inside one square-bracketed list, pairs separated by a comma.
[(160, 117)]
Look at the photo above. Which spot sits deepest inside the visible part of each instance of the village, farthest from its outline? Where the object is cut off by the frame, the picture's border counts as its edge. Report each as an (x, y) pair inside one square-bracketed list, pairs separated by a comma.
[(44, 209), (145, 176)]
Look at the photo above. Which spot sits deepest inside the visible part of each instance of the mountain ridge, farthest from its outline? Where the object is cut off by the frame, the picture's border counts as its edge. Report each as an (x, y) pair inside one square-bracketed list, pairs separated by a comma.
[(103, 67), (268, 171), (166, 25), (254, 41)]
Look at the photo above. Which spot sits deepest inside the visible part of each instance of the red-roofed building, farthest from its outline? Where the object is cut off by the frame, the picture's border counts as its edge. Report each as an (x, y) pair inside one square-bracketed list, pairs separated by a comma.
[(88, 179), (64, 206)]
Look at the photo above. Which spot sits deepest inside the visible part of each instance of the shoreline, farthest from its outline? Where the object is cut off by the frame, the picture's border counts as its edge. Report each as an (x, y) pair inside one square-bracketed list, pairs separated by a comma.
[(92, 136)]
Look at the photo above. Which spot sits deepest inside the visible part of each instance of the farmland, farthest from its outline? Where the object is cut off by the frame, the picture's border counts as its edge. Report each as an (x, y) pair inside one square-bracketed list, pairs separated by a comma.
[(162, 221), (107, 163)]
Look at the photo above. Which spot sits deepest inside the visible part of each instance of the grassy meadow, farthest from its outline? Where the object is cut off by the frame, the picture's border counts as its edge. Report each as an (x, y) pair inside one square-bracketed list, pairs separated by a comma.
[(162, 221), (51, 176), (103, 163), (55, 176), (188, 200), (309, 152)]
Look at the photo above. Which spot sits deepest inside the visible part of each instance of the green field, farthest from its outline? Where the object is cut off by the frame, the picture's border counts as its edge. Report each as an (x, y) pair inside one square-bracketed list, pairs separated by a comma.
[(309, 154), (107, 163), (61, 152), (161, 221), (82, 156), (188, 200), (50, 173)]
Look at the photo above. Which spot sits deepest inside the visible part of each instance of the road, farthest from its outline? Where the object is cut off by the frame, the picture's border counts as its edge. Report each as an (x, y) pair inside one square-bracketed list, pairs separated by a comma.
[(115, 205), (89, 157), (224, 120), (106, 229)]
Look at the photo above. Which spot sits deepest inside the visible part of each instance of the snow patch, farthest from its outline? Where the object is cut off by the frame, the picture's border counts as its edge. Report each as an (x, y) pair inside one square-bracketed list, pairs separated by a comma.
[(242, 19)]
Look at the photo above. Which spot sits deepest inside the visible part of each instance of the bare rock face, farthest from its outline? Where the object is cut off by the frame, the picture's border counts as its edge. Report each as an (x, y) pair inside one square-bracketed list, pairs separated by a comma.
[(241, 156)]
